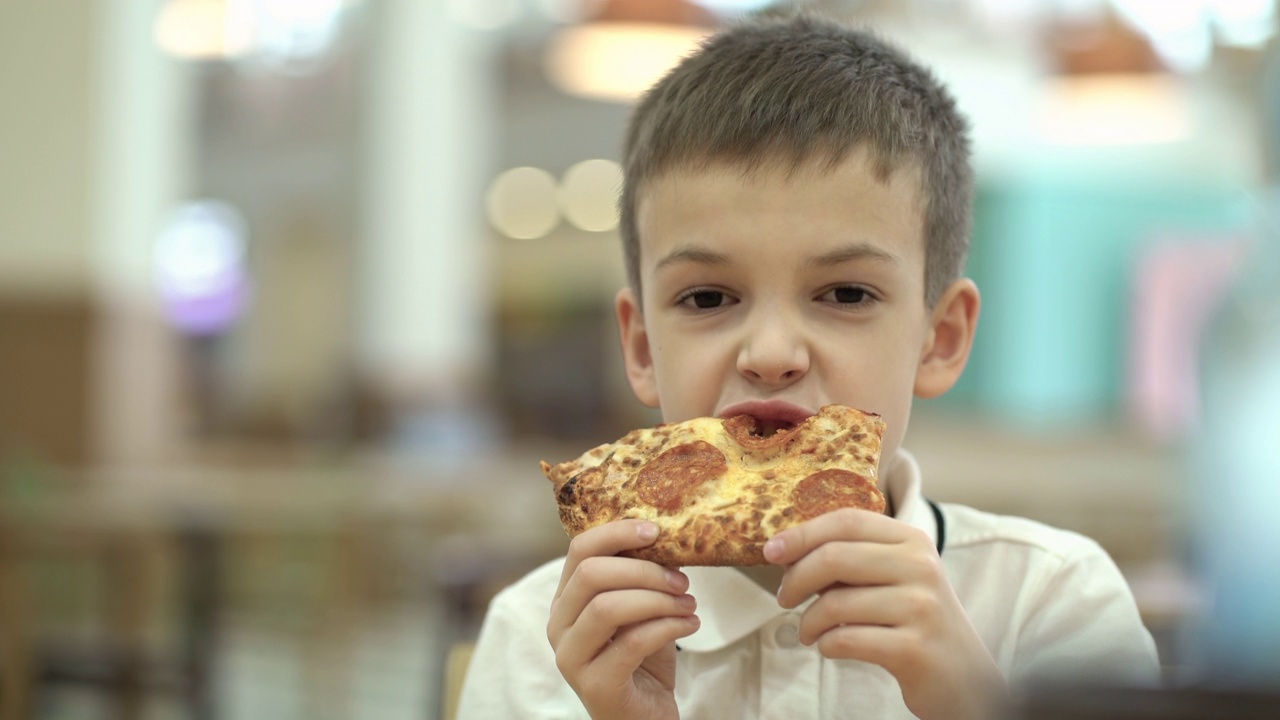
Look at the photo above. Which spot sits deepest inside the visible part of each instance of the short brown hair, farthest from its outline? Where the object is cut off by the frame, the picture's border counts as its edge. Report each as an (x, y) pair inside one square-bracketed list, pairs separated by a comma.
[(799, 89)]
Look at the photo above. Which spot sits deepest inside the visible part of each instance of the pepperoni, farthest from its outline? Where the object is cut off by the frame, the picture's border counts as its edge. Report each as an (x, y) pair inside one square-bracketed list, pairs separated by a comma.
[(833, 489), (666, 481)]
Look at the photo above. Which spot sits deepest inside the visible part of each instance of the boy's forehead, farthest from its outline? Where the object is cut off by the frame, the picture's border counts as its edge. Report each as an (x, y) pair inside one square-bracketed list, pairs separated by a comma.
[(833, 189), (830, 171)]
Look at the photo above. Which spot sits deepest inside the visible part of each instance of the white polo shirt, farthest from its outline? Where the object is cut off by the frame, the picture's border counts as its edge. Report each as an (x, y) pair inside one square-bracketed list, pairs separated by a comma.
[(1049, 604)]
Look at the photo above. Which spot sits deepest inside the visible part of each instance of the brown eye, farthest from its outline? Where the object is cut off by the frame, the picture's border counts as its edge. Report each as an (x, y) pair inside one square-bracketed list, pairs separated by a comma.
[(708, 299), (704, 299), (850, 295)]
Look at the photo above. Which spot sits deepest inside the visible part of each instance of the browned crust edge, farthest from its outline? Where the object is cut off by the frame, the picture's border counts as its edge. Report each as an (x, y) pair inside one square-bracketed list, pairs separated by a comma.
[(672, 555)]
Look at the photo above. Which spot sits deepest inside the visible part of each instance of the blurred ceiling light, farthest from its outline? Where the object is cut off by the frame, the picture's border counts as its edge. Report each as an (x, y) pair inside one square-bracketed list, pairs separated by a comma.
[(1246, 23), (272, 30), (199, 30), (522, 203), (589, 194), (1178, 31), (617, 61), (734, 7), (1183, 33), (1101, 45), (287, 30), (1160, 17), (1115, 109), (626, 48)]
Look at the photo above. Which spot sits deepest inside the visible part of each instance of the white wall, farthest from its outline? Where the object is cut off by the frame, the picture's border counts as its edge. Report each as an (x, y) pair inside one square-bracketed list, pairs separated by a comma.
[(46, 124)]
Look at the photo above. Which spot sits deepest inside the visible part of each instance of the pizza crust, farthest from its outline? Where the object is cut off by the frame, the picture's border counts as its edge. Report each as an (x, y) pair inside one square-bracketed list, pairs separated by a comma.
[(716, 489)]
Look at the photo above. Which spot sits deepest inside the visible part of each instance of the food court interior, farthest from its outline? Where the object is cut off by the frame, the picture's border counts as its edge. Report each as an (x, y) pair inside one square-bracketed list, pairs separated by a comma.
[(294, 296)]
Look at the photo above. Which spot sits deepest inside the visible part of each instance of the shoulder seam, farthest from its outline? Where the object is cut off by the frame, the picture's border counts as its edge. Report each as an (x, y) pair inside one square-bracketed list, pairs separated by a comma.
[(1063, 554), (1057, 542)]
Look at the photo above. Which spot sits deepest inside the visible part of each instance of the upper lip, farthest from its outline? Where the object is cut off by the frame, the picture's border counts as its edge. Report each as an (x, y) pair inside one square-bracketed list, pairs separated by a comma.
[(769, 410)]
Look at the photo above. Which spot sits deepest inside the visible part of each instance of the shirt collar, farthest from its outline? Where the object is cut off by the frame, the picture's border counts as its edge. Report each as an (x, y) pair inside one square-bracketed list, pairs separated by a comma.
[(732, 606)]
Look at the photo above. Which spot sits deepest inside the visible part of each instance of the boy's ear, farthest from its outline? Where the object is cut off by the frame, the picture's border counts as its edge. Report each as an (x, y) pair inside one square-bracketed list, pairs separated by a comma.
[(946, 350), (635, 347)]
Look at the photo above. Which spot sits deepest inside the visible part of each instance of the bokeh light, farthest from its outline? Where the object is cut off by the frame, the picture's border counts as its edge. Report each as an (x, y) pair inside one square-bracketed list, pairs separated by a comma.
[(589, 194), (199, 266), (522, 203)]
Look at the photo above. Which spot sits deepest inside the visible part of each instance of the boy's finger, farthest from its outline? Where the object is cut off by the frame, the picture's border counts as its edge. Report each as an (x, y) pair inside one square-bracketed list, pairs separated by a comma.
[(604, 540), (598, 625), (841, 563), (882, 606), (618, 662), (596, 575), (868, 643), (794, 543)]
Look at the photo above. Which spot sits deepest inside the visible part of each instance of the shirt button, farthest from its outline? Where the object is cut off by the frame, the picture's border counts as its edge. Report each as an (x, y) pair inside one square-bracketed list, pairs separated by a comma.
[(787, 635)]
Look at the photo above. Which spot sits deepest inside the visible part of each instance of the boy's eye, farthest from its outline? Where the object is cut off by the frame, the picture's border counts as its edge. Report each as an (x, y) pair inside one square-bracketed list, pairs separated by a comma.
[(704, 299), (848, 295)]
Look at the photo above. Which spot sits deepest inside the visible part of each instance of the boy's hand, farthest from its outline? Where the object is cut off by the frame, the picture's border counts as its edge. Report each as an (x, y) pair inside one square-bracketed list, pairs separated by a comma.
[(614, 623), (883, 598)]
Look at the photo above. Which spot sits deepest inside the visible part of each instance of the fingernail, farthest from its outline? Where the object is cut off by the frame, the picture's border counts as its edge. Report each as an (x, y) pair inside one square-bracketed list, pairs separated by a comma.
[(773, 549), (676, 580), (687, 602), (647, 531)]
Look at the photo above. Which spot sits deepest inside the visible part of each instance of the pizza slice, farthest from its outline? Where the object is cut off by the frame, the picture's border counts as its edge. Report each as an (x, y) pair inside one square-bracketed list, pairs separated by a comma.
[(718, 489)]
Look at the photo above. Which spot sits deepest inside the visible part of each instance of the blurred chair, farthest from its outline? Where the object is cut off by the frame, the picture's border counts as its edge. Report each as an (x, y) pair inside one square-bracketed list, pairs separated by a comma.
[(51, 541), (470, 569), (15, 646), (35, 660), (455, 674), (303, 582)]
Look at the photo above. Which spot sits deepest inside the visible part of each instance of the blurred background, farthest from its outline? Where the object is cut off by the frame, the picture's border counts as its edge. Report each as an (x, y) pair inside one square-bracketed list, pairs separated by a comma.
[(294, 294)]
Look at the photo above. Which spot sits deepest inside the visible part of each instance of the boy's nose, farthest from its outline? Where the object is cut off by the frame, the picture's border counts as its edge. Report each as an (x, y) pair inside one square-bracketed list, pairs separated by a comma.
[(774, 354)]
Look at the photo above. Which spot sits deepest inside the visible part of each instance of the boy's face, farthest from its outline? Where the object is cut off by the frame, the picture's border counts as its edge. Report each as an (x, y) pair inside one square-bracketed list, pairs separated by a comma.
[(785, 291)]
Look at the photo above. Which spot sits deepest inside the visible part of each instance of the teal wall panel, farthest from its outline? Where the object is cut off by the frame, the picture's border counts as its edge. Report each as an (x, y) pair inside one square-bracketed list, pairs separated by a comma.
[(1055, 261)]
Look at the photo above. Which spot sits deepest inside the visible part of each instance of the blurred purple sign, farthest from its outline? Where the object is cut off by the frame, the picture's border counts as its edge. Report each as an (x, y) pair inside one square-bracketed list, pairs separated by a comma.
[(199, 267)]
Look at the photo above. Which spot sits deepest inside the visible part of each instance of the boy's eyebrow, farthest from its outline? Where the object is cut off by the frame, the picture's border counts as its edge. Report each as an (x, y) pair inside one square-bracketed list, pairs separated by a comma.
[(694, 255), (855, 251)]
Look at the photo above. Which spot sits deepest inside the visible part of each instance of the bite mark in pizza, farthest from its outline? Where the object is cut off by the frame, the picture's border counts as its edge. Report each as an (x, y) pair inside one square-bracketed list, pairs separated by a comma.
[(719, 489)]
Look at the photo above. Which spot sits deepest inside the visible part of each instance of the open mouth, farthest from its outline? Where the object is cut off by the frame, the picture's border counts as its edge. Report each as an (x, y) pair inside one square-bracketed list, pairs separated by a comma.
[(764, 419), (768, 427)]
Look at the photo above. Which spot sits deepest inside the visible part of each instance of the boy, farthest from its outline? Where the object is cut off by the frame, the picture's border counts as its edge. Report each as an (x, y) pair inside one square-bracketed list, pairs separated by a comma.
[(795, 215)]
